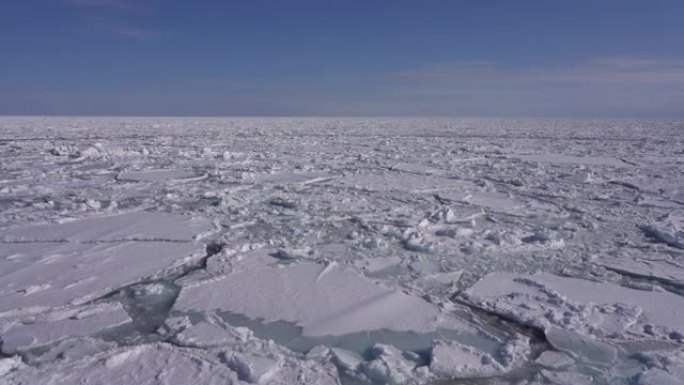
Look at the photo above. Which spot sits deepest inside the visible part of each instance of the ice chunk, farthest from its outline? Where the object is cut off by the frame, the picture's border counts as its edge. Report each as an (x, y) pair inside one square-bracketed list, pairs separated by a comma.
[(317, 351), (668, 229), (346, 360), (252, 368), (670, 236), (8, 364), (659, 377), (581, 347), (414, 241), (207, 332), (554, 360), (204, 334), (390, 366), (567, 378), (442, 280), (453, 360)]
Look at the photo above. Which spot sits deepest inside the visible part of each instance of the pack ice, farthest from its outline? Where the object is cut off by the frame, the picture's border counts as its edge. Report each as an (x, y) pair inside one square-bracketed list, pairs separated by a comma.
[(341, 251)]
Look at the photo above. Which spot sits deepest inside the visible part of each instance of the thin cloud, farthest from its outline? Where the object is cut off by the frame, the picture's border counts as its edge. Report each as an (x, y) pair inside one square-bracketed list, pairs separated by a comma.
[(117, 16), (633, 63), (448, 70), (137, 33), (624, 71), (104, 4), (601, 86), (113, 6)]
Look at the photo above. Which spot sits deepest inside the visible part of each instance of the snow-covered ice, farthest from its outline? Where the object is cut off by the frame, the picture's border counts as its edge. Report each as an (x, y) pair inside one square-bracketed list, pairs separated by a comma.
[(323, 299), (341, 251)]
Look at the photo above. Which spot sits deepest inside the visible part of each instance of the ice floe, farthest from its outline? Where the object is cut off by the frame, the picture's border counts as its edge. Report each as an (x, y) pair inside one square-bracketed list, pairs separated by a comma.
[(35, 331), (45, 274), (604, 310), (322, 299)]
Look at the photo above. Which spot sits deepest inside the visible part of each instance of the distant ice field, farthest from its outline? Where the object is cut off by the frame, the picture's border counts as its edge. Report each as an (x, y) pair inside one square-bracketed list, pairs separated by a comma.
[(175, 251)]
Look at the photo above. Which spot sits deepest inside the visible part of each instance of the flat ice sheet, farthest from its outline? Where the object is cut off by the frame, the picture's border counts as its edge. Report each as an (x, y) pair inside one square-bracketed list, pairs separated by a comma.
[(55, 326), (52, 265), (46, 274), (662, 267), (323, 300), (129, 226)]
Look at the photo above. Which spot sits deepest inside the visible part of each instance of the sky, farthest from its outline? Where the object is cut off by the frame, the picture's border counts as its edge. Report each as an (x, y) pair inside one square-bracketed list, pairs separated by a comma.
[(514, 58)]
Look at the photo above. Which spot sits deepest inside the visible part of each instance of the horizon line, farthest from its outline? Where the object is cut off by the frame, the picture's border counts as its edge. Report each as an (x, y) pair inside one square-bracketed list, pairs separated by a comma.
[(597, 117)]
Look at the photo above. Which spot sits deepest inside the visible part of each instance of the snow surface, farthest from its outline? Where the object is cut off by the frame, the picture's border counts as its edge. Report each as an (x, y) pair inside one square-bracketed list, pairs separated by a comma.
[(341, 251)]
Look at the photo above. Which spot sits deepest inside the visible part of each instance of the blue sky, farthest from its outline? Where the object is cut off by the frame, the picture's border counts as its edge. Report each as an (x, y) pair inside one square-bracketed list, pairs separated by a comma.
[(335, 57)]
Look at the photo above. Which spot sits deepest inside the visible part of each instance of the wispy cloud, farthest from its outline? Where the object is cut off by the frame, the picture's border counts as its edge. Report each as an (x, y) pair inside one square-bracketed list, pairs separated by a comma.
[(118, 16), (137, 33), (609, 85), (634, 63), (125, 5), (623, 71), (602, 86)]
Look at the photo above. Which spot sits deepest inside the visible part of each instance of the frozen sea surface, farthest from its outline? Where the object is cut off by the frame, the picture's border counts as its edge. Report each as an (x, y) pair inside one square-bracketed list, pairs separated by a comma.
[(341, 251)]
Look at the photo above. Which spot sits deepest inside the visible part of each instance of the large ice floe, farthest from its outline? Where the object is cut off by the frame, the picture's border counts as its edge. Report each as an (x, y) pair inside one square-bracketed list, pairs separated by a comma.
[(601, 309), (341, 251)]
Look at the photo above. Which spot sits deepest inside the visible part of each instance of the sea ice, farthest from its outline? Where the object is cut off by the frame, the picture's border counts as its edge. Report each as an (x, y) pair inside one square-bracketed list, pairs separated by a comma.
[(341, 251)]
